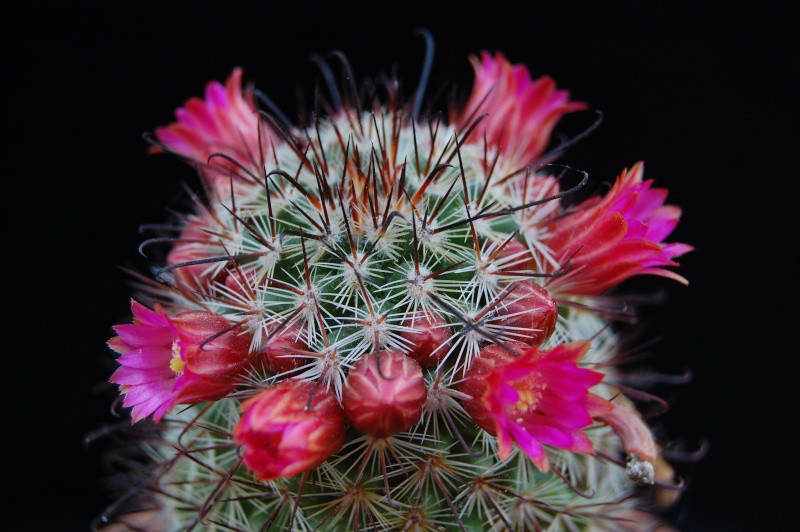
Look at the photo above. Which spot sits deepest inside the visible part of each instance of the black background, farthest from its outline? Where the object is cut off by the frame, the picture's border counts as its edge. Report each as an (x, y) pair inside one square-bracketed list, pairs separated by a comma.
[(706, 95)]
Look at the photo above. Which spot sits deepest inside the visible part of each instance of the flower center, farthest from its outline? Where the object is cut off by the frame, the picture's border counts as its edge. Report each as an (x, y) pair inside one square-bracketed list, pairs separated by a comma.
[(530, 393), (176, 364)]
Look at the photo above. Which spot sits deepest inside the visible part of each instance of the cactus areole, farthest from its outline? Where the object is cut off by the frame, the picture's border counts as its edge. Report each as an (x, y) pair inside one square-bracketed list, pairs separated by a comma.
[(390, 317)]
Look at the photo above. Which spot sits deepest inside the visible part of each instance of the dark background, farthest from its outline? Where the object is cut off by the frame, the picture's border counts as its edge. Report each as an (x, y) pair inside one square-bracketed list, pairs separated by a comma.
[(706, 95)]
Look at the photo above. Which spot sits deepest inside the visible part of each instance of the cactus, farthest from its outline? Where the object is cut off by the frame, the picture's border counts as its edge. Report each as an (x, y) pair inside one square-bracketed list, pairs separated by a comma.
[(388, 319)]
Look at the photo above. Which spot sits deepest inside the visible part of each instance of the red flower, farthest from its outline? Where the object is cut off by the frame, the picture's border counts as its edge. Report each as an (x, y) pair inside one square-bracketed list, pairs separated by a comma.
[(224, 122), (522, 112), (163, 364), (616, 237), (283, 435), (386, 401), (536, 397)]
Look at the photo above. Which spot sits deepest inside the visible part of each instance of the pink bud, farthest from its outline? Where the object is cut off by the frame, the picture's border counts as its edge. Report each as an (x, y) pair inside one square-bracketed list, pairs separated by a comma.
[(386, 400), (429, 338), (195, 244), (528, 313), (515, 257), (190, 358), (239, 283), (289, 428), (280, 351)]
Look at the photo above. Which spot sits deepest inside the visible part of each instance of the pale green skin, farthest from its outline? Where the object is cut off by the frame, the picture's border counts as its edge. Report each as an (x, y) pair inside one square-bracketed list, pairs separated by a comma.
[(186, 485)]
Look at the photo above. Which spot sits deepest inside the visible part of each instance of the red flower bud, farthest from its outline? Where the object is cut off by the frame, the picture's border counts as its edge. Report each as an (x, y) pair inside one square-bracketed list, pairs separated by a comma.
[(280, 351), (429, 338), (239, 282), (528, 313), (515, 257), (194, 244), (166, 361), (283, 435), (386, 400)]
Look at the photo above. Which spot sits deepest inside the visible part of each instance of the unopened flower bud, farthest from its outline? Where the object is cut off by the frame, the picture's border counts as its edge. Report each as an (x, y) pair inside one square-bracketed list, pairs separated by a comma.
[(528, 313), (194, 244), (240, 283), (281, 351), (289, 428), (384, 393), (428, 339), (515, 257)]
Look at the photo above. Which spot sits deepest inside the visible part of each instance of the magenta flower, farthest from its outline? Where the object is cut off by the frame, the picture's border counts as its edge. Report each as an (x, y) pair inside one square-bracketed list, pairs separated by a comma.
[(616, 237), (289, 428), (163, 364), (522, 112), (533, 398), (224, 122)]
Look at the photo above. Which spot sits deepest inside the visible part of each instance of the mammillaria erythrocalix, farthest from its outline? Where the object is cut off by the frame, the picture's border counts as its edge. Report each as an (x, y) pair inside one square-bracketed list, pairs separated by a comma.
[(389, 318)]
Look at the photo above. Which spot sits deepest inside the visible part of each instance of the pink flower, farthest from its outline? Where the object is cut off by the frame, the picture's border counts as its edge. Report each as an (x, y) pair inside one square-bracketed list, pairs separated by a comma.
[(522, 112), (224, 122), (283, 434), (384, 401), (162, 363), (616, 237), (536, 397)]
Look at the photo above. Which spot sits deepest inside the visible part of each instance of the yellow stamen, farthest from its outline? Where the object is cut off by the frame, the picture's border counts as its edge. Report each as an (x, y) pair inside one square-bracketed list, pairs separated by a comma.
[(529, 397), (176, 364)]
